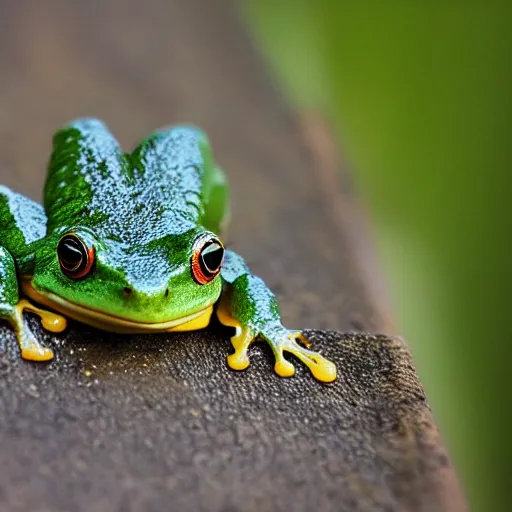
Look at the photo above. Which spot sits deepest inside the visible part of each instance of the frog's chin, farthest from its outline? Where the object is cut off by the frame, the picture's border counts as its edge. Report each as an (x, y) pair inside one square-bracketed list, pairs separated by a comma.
[(194, 321)]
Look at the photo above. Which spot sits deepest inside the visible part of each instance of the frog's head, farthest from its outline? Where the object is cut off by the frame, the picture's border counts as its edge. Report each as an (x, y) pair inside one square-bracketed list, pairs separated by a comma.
[(124, 248), (128, 285)]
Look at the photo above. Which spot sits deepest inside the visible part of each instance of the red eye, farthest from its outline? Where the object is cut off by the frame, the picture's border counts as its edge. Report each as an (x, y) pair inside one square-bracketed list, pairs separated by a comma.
[(75, 258), (207, 256)]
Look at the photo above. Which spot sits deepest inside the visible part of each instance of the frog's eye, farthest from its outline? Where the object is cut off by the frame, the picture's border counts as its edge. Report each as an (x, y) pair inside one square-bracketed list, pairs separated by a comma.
[(75, 258), (207, 256)]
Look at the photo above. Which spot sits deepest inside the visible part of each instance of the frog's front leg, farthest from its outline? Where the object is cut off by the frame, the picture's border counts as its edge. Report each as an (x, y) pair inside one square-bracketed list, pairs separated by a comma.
[(11, 309), (251, 308)]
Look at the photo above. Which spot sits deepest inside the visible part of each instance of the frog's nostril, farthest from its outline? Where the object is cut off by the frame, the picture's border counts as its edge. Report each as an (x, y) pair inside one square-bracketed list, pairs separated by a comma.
[(166, 292), (127, 290)]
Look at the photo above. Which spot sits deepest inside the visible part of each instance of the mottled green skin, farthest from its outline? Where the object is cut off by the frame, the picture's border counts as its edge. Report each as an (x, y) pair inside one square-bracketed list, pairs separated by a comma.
[(9, 295), (142, 212), (22, 223)]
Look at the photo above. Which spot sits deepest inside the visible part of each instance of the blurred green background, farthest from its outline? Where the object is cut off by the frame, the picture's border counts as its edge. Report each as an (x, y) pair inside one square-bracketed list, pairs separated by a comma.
[(419, 96)]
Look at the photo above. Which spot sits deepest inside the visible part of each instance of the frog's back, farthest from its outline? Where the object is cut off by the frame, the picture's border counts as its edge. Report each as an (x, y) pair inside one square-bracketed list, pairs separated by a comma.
[(160, 188)]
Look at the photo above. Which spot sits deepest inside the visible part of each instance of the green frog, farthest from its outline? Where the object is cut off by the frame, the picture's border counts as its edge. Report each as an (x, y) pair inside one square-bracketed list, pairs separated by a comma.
[(130, 243)]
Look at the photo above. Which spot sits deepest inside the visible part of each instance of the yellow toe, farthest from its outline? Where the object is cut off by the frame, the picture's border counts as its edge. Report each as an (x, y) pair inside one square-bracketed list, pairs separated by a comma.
[(54, 323), (284, 368), (238, 361), (36, 353), (324, 370), (304, 340)]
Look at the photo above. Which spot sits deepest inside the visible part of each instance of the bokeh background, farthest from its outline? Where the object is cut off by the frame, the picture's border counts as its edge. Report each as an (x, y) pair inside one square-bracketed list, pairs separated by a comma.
[(418, 95)]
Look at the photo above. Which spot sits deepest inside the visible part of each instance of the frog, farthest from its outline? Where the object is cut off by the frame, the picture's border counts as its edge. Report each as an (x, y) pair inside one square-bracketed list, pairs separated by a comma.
[(131, 243)]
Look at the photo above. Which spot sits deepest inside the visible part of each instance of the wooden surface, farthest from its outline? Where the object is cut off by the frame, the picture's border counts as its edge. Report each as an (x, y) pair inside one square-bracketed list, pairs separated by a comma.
[(159, 423)]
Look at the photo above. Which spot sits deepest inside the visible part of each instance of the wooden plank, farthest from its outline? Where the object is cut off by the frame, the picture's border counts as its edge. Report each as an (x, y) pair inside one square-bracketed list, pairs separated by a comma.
[(161, 423)]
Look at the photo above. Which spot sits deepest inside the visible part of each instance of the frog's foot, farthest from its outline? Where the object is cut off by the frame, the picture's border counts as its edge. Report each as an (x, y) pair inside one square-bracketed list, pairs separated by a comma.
[(241, 341), (30, 348), (50, 321), (284, 340), (280, 342)]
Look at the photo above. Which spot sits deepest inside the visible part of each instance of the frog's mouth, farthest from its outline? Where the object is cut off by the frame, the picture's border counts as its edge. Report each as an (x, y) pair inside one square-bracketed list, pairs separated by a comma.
[(101, 320)]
